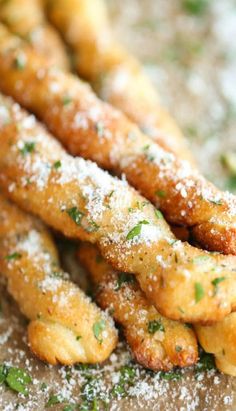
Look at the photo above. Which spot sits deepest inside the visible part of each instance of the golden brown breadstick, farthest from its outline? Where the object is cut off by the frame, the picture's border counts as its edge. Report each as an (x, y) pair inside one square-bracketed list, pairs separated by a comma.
[(156, 342), (93, 129), (66, 327), (114, 73), (25, 18), (220, 339), (77, 198)]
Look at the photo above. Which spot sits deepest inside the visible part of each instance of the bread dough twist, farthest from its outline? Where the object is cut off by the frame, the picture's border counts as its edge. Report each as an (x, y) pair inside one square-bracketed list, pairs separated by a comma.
[(114, 73), (93, 129), (26, 19), (63, 318), (155, 341), (77, 198)]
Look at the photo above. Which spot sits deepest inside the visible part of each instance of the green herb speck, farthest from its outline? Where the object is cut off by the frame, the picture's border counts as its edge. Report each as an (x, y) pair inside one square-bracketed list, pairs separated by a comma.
[(57, 164), (205, 363), (123, 278), (53, 400), (20, 62), (199, 292), (18, 379), (28, 148), (170, 376), (13, 256), (161, 193), (66, 100), (216, 283), (195, 7), (154, 326), (98, 328), (158, 214), (75, 214), (136, 230)]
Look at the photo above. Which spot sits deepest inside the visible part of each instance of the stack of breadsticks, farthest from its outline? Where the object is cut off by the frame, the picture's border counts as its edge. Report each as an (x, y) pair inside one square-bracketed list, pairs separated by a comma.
[(163, 282)]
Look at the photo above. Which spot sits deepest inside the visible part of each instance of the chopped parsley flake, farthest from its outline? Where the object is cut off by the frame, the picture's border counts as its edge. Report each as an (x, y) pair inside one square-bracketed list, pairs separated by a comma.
[(53, 399), (20, 61), (149, 156), (13, 256), (154, 326), (195, 7), (111, 193), (18, 379), (199, 292), (178, 348), (172, 242), (89, 405), (216, 283), (93, 227), (15, 378), (98, 327), (78, 337), (66, 100), (127, 374), (205, 363), (75, 214), (136, 230), (170, 376), (158, 214), (160, 193), (123, 278), (141, 204), (28, 148), (3, 373), (43, 386), (57, 164)]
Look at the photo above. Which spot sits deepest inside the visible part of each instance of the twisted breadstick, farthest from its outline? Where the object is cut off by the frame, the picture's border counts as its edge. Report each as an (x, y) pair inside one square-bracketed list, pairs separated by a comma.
[(66, 327), (114, 73), (77, 198), (220, 339), (26, 19), (155, 341), (95, 130)]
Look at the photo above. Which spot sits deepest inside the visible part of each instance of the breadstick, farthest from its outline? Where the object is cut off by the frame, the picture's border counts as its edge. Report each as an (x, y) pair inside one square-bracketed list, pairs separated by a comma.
[(220, 339), (66, 327), (26, 19), (93, 129), (156, 342), (114, 73), (77, 198)]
